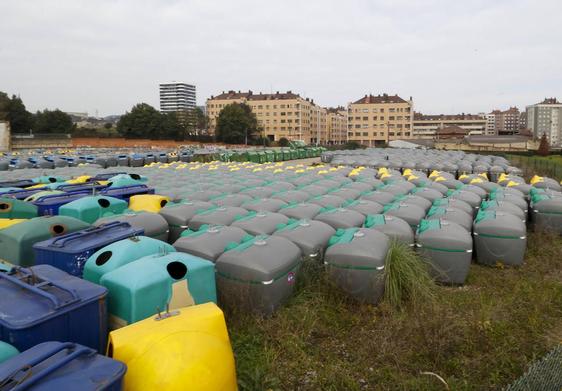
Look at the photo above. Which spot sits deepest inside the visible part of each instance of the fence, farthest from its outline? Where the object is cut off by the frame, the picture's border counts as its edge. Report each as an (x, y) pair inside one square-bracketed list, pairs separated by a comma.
[(531, 165)]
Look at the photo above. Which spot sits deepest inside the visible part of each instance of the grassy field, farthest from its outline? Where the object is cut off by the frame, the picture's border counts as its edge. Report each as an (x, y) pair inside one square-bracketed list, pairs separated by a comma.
[(548, 165), (477, 337)]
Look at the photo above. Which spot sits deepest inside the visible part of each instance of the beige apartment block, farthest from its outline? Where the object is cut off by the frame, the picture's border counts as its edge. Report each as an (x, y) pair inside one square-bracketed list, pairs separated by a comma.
[(336, 125), (426, 126), (279, 115), (376, 120)]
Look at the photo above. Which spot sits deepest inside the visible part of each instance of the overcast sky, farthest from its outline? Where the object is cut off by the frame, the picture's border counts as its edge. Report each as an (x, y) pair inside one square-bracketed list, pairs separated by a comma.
[(451, 56)]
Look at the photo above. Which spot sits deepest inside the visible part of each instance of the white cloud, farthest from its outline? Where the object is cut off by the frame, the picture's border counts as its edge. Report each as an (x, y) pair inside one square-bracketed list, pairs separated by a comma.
[(468, 56)]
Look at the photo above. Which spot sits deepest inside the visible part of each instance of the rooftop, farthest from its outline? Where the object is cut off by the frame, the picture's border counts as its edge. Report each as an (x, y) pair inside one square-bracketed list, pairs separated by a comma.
[(384, 98), (549, 101), (250, 95), (446, 117)]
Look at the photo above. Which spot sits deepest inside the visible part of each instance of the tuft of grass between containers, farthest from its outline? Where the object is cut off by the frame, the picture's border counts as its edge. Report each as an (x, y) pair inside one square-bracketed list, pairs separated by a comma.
[(479, 336)]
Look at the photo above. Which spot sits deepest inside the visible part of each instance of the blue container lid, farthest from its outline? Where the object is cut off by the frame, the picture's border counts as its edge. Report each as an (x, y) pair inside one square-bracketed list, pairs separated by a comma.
[(31, 298)]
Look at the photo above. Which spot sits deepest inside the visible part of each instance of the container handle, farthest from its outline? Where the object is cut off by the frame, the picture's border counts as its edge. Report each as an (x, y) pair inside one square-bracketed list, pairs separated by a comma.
[(32, 288), (24, 385), (60, 241)]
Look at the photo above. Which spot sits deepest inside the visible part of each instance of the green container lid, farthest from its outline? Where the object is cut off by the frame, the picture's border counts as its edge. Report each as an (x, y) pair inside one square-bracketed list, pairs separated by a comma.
[(343, 236), (374, 220), (11, 208)]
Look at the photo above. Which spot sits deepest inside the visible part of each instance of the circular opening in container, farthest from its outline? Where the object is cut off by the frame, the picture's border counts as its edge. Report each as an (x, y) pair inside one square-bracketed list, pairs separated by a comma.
[(103, 257), (104, 203), (52, 180), (58, 229), (163, 203), (176, 270), (5, 207), (135, 176)]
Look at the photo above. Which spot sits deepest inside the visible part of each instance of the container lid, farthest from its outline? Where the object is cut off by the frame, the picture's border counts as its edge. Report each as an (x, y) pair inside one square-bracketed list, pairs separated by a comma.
[(42, 292), (374, 220), (345, 236), (426, 225)]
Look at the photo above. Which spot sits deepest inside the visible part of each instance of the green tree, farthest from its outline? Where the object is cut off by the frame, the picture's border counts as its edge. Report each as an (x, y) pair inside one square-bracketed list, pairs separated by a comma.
[(236, 124), (201, 120), (21, 120), (4, 105), (283, 142), (144, 121), (52, 121), (172, 127), (108, 125)]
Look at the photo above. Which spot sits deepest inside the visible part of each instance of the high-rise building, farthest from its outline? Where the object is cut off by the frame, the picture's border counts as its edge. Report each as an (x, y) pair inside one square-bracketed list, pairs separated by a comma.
[(546, 118), (176, 97), (280, 115), (503, 122), (376, 120), (426, 126), (336, 125)]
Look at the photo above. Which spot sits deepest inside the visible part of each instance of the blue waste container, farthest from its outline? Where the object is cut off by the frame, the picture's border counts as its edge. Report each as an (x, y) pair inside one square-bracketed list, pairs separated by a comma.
[(70, 252), (126, 192), (61, 366), (43, 303), (49, 205)]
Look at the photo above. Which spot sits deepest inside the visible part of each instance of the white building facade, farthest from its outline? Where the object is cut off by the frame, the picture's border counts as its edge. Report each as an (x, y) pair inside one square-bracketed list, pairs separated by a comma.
[(177, 97)]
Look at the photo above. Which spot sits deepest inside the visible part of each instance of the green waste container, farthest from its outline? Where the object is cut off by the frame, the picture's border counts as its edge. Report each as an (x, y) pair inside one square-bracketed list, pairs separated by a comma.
[(286, 154), (294, 154), (278, 155), (261, 157), (270, 156), (10, 208), (252, 156)]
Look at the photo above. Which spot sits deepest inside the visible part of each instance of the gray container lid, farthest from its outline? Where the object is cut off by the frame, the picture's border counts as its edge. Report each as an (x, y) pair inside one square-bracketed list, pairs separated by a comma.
[(154, 225), (346, 193), (222, 215), (378, 196), (260, 223), (291, 196), (261, 260), (312, 190), (446, 236), (451, 214), (231, 199), (410, 213), (393, 227), (340, 217), (358, 248), (178, 215), (258, 191), (428, 193), (264, 204), (365, 207), (309, 235), (303, 210), (327, 201), (210, 241)]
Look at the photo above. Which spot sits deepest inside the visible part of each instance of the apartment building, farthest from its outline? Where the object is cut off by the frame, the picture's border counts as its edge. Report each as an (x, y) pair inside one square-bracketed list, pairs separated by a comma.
[(279, 115), (505, 122), (426, 126), (546, 118), (376, 120), (176, 97), (336, 125)]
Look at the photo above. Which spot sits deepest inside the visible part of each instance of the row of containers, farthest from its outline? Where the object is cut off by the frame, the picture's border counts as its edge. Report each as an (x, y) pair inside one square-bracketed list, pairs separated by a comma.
[(139, 159), (121, 290)]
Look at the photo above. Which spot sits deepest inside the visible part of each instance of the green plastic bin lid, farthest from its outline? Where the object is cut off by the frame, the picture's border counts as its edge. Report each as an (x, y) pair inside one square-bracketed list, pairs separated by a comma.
[(47, 179), (374, 220), (436, 210), (292, 224), (343, 236), (259, 240), (392, 206), (485, 215)]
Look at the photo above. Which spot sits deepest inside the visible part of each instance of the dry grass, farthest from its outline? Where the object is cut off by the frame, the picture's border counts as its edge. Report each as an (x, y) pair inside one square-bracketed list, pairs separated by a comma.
[(480, 336)]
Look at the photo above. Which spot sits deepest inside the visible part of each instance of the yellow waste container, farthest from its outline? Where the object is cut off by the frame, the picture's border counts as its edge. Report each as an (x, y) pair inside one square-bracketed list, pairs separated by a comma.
[(186, 349), (148, 202)]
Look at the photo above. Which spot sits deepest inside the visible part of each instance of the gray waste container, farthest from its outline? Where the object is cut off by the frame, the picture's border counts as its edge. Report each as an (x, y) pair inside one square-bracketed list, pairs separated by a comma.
[(346, 193), (210, 241), (377, 196), (155, 226), (504, 206), (448, 248), (309, 235), (313, 190), (547, 213), (258, 275), (302, 210), (412, 199), (394, 227), (428, 193), (365, 207), (219, 215), (410, 213), (469, 197), (476, 190), (230, 199), (340, 217), (291, 196), (264, 205), (499, 238), (258, 191), (452, 214), (327, 201), (260, 223), (355, 260), (178, 216), (454, 203)]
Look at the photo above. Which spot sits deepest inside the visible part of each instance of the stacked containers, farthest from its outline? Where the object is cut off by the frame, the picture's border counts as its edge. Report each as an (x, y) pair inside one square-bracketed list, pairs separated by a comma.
[(258, 275), (209, 242), (43, 303), (355, 259), (448, 248)]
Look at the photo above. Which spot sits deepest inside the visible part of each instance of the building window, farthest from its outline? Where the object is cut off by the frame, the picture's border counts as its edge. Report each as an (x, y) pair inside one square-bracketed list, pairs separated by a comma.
[(375, 110), (382, 110), (365, 110), (365, 118), (391, 118), (365, 126)]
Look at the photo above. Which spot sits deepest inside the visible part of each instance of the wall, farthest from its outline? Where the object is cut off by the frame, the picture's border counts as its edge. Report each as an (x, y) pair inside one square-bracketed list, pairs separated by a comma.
[(4, 136), (41, 142), (138, 143)]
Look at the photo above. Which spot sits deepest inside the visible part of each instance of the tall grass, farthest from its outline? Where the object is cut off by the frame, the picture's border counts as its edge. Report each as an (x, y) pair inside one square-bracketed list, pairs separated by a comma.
[(407, 278)]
